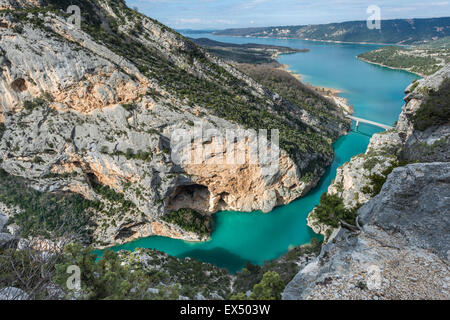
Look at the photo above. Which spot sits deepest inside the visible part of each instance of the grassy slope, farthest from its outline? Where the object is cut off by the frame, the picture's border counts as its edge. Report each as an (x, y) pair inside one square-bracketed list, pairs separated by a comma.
[(435, 111)]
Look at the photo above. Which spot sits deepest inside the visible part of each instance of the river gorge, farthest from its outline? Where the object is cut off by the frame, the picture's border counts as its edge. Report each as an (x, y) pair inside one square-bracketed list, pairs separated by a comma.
[(376, 94)]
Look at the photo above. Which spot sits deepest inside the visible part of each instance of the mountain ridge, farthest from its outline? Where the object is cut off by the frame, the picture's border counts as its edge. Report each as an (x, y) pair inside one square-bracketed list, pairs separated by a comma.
[(395, 31)]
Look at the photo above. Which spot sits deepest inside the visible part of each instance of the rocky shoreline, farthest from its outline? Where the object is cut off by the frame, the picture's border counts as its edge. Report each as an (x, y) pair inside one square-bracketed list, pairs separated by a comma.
[(329, 93)]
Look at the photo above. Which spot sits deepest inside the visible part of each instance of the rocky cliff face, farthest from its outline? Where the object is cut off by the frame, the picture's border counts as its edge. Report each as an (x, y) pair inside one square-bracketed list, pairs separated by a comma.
[(84, 109), (431, 144), (353, 177), (401, 250)]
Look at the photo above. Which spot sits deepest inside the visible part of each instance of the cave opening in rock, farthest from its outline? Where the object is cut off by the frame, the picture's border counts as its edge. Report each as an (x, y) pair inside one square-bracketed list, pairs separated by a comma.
[(19, 85), (193, 196), (127, 231), (92, 179)]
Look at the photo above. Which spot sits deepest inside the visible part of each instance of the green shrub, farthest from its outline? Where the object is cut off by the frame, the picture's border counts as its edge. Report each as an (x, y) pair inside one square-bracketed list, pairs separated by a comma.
[(33, 104), (270, 287), (113, 196), (377, 180), (190, 220), (2, 130), (44, 213), (286, 266), (331, 210), (105, 279), (129, 106)]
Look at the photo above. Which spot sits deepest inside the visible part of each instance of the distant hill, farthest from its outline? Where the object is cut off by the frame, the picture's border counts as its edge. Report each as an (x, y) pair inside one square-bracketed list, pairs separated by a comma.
[(191, 31), (414, 59), (424, 59), (443, 43), (399, 31), (245, 53)]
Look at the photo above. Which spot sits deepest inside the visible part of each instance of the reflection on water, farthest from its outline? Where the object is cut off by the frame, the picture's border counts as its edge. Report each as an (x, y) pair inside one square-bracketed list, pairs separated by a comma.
[(218, 256)]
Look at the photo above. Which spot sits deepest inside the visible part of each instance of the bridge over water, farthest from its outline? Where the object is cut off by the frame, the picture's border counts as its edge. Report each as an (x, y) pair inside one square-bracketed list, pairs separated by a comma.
[(358, 120)]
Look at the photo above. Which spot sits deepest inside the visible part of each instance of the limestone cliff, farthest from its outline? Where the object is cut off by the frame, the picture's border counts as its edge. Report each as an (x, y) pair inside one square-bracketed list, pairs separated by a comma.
[(91, 111), (401, 249), (353, 177)]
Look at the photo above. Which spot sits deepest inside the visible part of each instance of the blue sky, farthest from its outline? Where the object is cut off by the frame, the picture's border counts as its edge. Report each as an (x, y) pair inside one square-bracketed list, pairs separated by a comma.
[(221, 14)]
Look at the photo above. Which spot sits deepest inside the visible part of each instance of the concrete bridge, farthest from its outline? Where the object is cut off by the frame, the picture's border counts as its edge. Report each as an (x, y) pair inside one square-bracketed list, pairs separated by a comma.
[(377, 124)]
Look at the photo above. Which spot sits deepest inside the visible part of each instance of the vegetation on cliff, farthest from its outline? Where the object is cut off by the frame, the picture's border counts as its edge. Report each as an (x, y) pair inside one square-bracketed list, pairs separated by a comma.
[(44, 213), (270, 288), (286, 266), (435, 110), (223, 93), (226, 95), (109, 194), (190, 220), (150, 274), (331, 211), (182, 75), (107, 279), (290, 88), (142, 274), (376, 181)]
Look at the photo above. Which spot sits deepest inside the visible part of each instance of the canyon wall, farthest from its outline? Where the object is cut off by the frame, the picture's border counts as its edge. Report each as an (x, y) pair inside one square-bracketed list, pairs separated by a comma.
[(399, 249)]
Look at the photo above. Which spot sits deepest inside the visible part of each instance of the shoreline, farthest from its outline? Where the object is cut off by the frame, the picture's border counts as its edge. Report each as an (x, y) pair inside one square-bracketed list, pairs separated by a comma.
[(330, 93), (315, 40), (389, 67), (349, 42)]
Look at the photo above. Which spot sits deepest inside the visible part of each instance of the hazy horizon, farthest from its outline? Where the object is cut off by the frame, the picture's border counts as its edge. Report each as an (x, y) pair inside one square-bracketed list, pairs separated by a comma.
[(286, 25), (225, 14)]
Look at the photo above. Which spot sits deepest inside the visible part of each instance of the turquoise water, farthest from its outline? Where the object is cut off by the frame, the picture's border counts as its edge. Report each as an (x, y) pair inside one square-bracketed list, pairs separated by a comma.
[(376, 94)]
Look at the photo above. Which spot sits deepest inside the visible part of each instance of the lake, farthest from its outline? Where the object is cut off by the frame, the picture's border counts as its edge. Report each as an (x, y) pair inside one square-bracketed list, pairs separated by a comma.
[(376, 94)]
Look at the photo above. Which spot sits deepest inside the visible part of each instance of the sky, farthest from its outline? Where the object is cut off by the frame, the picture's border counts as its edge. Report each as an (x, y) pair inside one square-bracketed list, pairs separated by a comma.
[(223, 14)]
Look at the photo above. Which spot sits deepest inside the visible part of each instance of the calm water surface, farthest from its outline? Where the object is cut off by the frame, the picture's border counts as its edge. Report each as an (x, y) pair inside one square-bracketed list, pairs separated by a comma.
[(375, 92)]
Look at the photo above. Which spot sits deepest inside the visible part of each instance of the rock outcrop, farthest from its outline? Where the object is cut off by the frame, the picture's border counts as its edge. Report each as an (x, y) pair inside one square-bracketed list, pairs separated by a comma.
[(402, 250), (433, 143), (353, 177), (11, 293)]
